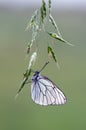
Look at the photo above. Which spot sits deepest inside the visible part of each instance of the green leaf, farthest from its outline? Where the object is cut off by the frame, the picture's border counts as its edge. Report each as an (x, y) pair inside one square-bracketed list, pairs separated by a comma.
[(43, 11), (51, 19), (26, 76), (56, 36), (33, 20), (50, 51)]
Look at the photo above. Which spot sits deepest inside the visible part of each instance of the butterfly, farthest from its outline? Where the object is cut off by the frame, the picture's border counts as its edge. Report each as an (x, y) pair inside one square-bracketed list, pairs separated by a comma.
[(44, 91)]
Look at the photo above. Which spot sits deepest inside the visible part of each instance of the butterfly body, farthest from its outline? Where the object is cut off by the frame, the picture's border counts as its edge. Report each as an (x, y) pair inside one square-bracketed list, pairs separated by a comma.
[(45, 92)]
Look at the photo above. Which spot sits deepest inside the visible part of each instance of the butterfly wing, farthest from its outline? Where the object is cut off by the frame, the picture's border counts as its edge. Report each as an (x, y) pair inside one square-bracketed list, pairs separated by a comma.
[(45, 92)]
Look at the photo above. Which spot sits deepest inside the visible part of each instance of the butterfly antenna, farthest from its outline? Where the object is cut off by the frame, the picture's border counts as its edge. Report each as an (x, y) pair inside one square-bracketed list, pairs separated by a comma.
[(44, 66)]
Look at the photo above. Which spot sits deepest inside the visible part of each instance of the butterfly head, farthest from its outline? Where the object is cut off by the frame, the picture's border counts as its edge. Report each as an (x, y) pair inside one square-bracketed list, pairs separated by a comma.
[(35, 76)]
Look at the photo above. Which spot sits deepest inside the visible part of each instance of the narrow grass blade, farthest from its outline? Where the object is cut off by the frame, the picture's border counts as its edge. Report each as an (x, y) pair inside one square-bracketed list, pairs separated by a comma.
[(49, 5), (26, 76), (43, 11), (32, 20), (51, 52), (54, 35), (51, 19)]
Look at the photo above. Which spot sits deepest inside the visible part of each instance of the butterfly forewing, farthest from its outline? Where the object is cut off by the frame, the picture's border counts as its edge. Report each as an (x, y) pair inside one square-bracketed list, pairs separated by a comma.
[(45, 92)]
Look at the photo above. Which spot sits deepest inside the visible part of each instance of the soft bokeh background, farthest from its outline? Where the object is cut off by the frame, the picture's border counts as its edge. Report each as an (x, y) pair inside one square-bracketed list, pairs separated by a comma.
[(23, 114)]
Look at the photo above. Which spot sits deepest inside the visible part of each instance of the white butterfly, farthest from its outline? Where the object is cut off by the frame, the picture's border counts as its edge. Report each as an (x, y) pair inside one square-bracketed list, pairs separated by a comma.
[(44, 91)]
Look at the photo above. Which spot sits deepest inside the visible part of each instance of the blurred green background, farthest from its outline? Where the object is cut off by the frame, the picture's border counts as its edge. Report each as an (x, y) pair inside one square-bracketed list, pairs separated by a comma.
[(23, 114)]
